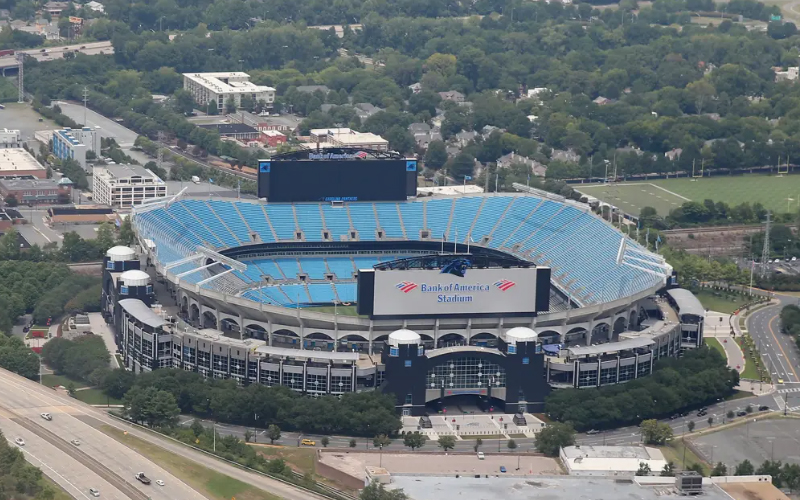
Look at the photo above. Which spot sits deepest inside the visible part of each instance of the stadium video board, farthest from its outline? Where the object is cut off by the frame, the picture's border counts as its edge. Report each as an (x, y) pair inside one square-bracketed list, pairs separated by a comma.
[(327, 176), (435, 292)]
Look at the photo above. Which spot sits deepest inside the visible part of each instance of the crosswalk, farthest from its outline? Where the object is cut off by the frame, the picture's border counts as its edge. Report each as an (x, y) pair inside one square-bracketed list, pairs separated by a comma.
[(786, 391)]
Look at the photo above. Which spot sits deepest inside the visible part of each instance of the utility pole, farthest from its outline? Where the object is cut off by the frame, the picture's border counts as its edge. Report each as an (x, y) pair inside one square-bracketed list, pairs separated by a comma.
[(20, 83), (85, 100), (765, 249)]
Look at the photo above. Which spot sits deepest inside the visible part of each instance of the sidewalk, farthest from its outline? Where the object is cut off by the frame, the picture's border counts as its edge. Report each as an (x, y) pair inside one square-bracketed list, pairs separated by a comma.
[(720, 330), (100, 328)]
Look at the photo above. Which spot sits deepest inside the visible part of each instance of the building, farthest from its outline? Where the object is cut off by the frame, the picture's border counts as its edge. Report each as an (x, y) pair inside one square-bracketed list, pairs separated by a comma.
[(344, 137), (16, 162), (80, 214), (452, 95), (537, 169), (790, 75), (415, 88), (238, 131), (9, 217), (33, 191), (74, 143), (124, 186), (310, 89), (286, 124), (601, 101), (10, 138), (610, 460), (95, 6), (220, 87), (272, 138), (55, 8), (691, 314)]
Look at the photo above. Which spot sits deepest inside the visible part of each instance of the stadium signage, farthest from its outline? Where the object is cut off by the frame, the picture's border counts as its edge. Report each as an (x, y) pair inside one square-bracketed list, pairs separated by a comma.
[(337, 156)]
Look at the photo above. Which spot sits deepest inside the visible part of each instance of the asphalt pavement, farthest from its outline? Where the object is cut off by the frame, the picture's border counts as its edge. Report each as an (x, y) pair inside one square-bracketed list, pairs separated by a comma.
[(125, 137), (779, 352)]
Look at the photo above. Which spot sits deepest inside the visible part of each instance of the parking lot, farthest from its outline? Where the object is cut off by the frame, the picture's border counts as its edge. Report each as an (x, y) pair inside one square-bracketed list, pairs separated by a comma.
[(769, 439), (25, 119), (441, 463)]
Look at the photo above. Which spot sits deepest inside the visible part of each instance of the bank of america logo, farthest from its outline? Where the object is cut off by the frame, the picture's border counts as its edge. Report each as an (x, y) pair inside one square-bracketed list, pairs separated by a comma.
[(406, 286), (361, 155), (504, 285)]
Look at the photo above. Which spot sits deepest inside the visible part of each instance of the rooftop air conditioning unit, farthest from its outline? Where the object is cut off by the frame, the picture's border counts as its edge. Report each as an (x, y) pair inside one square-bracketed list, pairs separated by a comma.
[(689, 483)]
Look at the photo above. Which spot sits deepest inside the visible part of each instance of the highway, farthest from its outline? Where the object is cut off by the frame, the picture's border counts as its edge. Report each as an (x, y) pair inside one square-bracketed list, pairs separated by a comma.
[(778, 351), (21, 403), (54, 53)]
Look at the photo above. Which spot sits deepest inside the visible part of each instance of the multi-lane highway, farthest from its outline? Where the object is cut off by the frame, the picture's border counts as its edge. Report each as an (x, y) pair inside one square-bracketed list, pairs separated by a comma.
[(779, 352), (53, 53), (100, 461)]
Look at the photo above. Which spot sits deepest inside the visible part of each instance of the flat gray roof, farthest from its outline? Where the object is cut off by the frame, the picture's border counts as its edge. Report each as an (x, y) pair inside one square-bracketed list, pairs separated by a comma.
[(540, 488), (623, 345), (141, 312), (350, 357), (125, 171), (687, 302)]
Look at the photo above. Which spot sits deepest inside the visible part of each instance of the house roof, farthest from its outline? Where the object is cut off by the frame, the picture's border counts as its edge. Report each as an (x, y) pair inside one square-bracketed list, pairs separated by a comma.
[(231, 128), (313, 88)]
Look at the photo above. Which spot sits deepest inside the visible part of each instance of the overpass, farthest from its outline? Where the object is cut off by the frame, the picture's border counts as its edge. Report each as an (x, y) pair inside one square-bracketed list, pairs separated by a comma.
[(53, 53)]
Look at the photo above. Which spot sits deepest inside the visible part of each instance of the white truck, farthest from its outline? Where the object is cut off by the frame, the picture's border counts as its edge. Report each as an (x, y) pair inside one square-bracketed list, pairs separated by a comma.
[(142, 478), (196, 179)]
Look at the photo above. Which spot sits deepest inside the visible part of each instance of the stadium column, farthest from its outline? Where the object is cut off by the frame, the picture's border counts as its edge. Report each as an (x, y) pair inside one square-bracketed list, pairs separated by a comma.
[(589, 331), (241, 327), (269, 330)]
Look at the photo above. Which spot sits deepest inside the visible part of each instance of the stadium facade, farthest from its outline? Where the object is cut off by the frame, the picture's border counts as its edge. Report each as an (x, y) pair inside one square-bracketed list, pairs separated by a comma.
[(265, 294)]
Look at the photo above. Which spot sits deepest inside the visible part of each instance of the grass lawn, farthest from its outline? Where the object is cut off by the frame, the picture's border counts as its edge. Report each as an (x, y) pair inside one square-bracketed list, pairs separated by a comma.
[(666, 194), (60, 494), (750, 370), (714, 344), (299, 459), (50, 380), (210, 483), (739, 395), (674, 452), (719, 303), (8, 92), (96, 397)]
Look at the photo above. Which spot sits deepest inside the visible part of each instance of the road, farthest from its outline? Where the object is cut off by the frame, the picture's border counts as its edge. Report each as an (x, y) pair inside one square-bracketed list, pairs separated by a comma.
[(778, 351), (108, 128), (53, 53), (72, 419), (621, 436)]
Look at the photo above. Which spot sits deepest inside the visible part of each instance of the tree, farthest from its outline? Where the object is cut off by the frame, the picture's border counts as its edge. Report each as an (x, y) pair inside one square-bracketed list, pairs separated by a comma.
[(414, 440), (105, 238), (273, 433), (697, 467), (710, 421), (151, 406), (126, 235), (655, 432), (353, 443), (553, 437), (749, 408), (436, 155), (381, 440), (248, 435), (211, 108), (376, 491), (744, 468), (400, 139), (644, 469), (325, 441), (230, 105), (511, 445), (690, 425), (11, 201), (719, 470), (771, 468), (478, 443), (446, 442), (182, 101), (702, 92), (730, 414), (669, 469), (462, 165)]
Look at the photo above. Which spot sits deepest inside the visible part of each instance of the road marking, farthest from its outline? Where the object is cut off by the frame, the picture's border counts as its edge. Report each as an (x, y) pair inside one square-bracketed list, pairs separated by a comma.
[(771, 331)]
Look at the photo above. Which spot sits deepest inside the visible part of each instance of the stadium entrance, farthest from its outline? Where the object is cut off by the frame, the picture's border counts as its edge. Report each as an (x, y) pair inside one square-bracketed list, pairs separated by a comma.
[(465, 405)]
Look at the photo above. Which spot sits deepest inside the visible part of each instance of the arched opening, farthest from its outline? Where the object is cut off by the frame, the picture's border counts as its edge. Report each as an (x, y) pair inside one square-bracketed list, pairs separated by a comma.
[(318, 341), (229, 325), (255, 332), (285, 338), (379, 343), (427, 341), (550, 337), (352, 343), (633, 322), (451, 339), (619, 325), (600, 333), (209, 320), (576, 336), (483, 339), (184, 305), (194, 312)]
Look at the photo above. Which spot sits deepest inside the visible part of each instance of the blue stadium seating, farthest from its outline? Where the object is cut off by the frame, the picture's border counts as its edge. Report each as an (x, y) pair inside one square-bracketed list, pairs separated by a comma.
[(580, 247)]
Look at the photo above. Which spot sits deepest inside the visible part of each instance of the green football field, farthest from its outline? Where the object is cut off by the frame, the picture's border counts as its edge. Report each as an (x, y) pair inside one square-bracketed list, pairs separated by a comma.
[(774, 192)]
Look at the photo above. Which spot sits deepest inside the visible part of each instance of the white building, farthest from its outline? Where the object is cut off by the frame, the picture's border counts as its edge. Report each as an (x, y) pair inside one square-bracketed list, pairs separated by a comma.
[(610, 460), (791, 74), (74, 143), (219, 87), (9, 138), (346, 138), (123, 186)]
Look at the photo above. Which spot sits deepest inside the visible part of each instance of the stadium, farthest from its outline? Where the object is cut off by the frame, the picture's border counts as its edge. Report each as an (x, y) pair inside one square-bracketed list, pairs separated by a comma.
[(312, 295)]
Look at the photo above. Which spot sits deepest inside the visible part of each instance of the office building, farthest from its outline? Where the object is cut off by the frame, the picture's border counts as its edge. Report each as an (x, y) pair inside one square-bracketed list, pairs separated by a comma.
[(124, 186), (347, 138), (74, 143), (9, 138), (16, 162), (32, 191), (219, 87)]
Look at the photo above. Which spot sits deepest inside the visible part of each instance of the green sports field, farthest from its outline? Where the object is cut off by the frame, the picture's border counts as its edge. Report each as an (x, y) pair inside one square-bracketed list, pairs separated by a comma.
[(770, 190)]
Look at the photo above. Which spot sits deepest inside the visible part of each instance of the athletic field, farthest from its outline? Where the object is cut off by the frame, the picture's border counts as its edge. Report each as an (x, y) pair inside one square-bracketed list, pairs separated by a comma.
[(664, 195)]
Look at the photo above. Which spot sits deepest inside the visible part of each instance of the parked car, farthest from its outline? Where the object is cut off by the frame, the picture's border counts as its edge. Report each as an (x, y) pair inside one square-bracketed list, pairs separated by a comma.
[(503, 469), (481, 456), (741, 413), (308, 442), (592, 432), (763, 408)]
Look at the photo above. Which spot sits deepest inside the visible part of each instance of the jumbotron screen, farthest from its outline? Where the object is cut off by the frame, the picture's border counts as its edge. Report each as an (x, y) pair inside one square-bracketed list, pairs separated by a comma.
[(423, 292), (337, 177)]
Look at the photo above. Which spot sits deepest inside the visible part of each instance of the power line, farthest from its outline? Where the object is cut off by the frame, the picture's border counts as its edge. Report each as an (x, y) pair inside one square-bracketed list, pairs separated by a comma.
[(765, 249)]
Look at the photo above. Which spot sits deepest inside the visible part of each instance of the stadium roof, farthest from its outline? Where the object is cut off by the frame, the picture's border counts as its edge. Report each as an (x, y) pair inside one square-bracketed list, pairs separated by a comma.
[(624, 345), (141, 312), (687, 302)]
